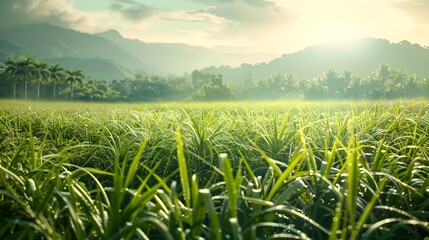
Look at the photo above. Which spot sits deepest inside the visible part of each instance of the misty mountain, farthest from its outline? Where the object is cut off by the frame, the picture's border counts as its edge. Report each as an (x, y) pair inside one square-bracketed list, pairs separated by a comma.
[(108, 55), (169, 58), (103, 54), (98, 69), (7, 48), (361, 58), (51, 43)]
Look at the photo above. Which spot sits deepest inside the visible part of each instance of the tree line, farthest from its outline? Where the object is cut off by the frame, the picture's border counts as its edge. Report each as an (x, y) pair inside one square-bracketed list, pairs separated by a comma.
[(384, 82), (39, 75), (28, 78)]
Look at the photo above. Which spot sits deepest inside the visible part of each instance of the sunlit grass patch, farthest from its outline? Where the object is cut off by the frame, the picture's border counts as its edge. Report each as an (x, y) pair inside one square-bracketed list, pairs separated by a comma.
[(299, 170)]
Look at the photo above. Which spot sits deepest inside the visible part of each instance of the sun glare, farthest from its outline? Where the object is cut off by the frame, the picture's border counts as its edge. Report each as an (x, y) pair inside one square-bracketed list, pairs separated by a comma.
[(341, 38)]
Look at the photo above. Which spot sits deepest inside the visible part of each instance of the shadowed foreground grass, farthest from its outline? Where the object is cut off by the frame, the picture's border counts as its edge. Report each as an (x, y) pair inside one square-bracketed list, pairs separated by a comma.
[(214, 171)]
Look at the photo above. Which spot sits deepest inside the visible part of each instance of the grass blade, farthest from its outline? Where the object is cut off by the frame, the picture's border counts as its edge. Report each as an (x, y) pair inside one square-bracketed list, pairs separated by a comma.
[(183, 170)]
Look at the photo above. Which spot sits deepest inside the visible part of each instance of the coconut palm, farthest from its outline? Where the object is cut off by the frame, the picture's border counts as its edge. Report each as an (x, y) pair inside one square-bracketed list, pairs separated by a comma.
[(56, 75), (384, 72), (25, 71), (40, 72), (2, 72), (73, 77), (11, 70)]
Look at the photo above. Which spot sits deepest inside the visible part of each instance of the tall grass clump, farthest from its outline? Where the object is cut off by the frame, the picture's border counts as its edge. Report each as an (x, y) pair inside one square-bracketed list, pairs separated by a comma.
[(212, 171)]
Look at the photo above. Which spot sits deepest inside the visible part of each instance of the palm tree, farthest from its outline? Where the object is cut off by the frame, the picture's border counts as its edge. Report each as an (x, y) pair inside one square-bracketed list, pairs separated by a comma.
[(11, 71), (2, 71), (73, 77), (25, 70), (384, 72), (40, 72), (56, 75)]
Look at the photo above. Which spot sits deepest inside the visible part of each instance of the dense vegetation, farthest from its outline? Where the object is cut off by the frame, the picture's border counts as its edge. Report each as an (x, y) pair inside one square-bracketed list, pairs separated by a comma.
[(28, 78), (221, 171)]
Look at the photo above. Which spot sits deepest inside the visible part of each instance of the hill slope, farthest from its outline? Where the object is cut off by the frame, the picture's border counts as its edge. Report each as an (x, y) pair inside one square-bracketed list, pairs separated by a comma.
[(45, 41), (108, 55), (361, 58), (169, 58), (98, 69), (49, 42)]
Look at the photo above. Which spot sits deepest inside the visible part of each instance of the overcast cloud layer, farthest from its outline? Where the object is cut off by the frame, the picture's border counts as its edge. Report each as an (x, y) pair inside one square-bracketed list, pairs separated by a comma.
[(274, 27), (59, 12)]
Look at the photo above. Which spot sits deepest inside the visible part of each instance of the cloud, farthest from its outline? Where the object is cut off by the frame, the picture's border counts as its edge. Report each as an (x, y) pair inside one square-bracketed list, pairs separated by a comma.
[(252, 20), (217, 23), (260, 3), (59, 12), (195, 16), (417, 9), (132, 10), (243, 11)]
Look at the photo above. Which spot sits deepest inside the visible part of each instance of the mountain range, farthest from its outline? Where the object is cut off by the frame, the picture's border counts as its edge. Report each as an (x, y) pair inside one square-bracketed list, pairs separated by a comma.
[(361, 57), (108, 55)]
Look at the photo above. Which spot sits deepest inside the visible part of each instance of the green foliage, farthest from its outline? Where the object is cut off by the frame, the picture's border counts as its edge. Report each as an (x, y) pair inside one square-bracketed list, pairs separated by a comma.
[(211, 171), (209, 87), (39, 80), (73, 77)]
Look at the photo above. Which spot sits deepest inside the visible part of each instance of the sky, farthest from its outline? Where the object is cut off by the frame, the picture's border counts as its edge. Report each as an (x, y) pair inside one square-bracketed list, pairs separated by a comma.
[(249, 26)]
